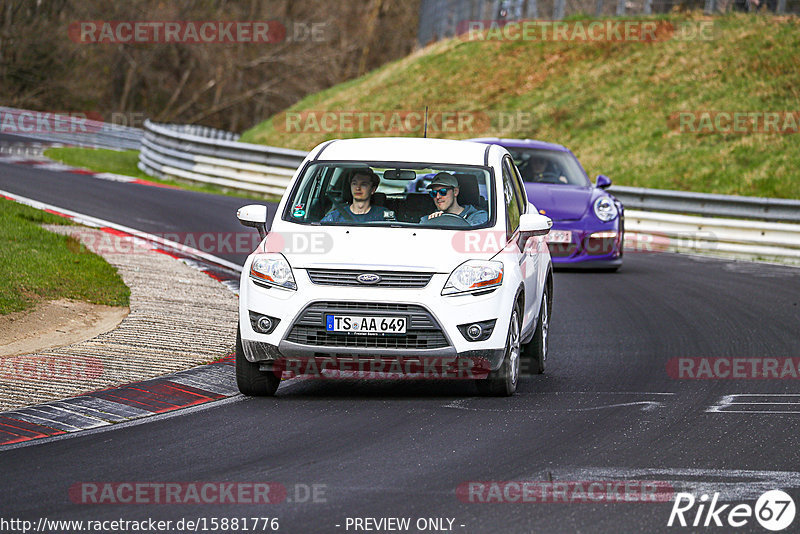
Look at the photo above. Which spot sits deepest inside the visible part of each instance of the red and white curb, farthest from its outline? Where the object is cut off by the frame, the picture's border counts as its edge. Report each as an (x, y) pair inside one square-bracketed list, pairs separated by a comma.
[(106, 407), (183, 389)]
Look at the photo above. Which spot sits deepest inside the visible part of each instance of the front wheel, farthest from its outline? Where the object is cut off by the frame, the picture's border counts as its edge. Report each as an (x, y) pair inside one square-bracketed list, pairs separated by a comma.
[(249, 379), (535, 352), (503, 382)]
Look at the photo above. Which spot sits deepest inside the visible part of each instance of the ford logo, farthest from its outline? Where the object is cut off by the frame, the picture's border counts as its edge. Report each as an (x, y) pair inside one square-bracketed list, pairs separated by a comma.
[(368, 278)]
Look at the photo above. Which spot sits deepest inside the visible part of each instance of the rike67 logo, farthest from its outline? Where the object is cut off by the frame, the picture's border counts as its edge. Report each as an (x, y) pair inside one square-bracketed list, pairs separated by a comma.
[(774, 510)]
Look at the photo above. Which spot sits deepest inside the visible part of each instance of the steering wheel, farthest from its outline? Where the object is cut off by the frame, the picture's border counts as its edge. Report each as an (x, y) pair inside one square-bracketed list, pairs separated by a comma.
[(341, 208), (548, 177), (447, 219)]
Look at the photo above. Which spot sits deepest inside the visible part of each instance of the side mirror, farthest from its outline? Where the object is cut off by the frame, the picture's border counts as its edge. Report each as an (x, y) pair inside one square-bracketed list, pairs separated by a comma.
[(534, 224), (254, 215), (603, 181)]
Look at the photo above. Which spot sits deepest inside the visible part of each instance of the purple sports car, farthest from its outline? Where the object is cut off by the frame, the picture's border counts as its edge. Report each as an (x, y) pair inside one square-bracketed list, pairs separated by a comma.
[(588, 222)]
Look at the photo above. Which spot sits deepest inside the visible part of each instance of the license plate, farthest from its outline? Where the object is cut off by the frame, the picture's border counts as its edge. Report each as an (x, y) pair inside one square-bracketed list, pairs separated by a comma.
[(357, 324), (559, 236)]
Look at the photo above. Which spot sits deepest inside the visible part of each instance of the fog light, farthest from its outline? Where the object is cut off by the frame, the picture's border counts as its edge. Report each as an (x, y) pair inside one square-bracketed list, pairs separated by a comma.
[(604, 235), (477, 331), (474, 331), (265, 324)]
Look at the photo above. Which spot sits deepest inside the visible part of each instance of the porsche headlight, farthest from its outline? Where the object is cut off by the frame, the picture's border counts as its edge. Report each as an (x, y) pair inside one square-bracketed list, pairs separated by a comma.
[(272, 269), (605, 209), (474, 275)]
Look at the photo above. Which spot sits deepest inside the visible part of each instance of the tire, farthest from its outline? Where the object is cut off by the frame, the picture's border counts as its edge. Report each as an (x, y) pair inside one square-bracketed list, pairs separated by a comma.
[(249, 379), (503, 382), (534, 353)]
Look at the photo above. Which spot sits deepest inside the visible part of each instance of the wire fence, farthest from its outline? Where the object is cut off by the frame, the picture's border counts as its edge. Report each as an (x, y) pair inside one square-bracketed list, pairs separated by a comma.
[(440, 19)]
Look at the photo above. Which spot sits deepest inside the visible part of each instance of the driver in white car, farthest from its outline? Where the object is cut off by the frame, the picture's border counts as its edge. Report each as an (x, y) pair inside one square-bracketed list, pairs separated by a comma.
[(444, 190), (363, 183)]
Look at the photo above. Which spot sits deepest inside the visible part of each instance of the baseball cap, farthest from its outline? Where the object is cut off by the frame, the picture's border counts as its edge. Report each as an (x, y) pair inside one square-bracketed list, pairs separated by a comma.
[(443, 179)]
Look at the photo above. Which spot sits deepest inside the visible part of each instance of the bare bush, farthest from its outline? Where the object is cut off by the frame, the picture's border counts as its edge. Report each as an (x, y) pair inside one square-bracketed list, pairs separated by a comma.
[(224, 85)]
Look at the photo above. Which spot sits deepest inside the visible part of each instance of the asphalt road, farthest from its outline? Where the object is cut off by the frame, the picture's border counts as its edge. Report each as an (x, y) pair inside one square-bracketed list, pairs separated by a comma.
[(607, 408)]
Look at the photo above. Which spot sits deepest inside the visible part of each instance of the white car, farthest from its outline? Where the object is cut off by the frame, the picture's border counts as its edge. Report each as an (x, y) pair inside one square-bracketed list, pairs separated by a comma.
[(354, 270)]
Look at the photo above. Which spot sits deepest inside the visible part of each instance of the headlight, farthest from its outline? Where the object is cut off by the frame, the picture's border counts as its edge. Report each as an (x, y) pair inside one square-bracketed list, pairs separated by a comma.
[(605, 209), (474, 275), (272, 269)]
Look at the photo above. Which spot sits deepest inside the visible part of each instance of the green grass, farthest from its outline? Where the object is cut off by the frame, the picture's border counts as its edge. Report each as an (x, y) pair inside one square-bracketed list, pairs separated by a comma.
[(36, 264), (612, 103), (124, 162)]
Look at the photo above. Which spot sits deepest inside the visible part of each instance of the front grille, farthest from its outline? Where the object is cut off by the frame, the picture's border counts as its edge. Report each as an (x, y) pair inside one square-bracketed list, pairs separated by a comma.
[(337, 277), (562, 250), (423, 332)]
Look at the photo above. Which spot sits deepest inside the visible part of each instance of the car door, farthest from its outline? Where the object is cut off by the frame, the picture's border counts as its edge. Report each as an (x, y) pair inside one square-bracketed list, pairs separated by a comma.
[(527, 258)]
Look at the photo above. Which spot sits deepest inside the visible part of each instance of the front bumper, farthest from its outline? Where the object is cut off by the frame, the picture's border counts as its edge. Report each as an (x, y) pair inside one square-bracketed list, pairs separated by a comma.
[(290, 356), (586, 251), (433, 322)]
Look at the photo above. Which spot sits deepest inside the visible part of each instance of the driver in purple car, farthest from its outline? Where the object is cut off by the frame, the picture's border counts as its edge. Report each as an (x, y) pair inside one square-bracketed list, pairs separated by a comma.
[(444, 190), (542, 170)]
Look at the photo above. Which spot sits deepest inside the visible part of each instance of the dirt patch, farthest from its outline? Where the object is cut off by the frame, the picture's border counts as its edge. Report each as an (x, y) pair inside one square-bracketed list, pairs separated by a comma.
[(54, 324)]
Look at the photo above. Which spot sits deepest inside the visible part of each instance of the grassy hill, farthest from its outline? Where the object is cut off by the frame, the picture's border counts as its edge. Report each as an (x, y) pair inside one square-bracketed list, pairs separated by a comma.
[(613, 103)]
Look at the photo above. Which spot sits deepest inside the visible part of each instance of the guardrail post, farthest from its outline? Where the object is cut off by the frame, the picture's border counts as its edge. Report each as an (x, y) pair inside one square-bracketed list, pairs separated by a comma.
[(532, 9), (781, 7), (598, 8), (559, 7), (710, 7), (648, 7), (620, 7)]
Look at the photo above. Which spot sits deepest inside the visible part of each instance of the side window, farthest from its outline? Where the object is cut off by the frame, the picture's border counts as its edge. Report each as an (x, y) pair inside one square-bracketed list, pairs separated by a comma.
[(519, 188), (511, 200)]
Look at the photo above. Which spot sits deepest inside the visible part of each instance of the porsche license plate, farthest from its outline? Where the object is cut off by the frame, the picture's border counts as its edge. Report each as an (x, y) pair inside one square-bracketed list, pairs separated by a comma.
[(559, 236)]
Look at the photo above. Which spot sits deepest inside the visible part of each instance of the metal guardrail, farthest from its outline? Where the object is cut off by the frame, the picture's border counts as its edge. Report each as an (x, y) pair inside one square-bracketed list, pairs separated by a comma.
[(216, 157), (655, 219), (648, 231), (767, 209), (68, 129)]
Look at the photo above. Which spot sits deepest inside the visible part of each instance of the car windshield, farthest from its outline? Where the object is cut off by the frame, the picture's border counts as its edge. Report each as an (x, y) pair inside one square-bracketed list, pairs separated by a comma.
[(548, 166), (392, 194)]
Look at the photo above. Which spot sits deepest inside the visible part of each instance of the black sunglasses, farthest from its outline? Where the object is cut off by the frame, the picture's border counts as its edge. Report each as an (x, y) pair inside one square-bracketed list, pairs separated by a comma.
[(443, 191)]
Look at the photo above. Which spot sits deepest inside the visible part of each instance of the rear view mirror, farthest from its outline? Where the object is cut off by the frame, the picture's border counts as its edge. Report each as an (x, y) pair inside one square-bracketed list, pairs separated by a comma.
[(603, 181), (399, 174), (254, 215), (534, 224)]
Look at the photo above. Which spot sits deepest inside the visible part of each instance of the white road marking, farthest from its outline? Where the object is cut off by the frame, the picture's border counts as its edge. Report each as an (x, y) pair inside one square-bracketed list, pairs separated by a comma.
[(757, 403), (732, 484), (647, 405)]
